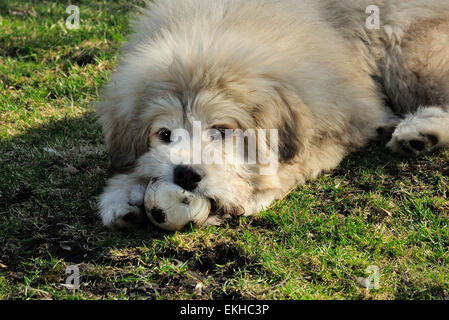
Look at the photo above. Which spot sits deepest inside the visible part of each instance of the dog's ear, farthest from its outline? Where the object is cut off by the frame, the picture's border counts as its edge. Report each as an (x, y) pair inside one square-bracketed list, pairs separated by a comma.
[(293, 120), (289, 142), (124, 138)]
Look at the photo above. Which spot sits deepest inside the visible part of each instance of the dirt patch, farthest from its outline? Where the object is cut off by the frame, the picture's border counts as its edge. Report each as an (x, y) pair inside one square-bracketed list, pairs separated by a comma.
[(223, 257), (22, 194), (217, 262)]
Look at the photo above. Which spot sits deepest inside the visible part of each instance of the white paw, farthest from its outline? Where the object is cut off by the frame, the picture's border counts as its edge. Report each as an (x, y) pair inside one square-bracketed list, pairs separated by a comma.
[(419, 133), (413, 144), (122, 207)]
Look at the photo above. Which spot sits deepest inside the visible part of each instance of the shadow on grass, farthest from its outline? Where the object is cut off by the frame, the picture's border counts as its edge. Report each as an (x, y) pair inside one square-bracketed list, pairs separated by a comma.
[(50, 179)]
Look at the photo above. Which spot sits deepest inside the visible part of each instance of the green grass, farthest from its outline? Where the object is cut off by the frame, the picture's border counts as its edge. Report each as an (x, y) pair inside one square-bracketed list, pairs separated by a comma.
[(375, 210)]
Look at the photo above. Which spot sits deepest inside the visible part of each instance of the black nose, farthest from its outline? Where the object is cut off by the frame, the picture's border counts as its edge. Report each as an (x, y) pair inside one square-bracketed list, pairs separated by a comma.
[(186, 177)]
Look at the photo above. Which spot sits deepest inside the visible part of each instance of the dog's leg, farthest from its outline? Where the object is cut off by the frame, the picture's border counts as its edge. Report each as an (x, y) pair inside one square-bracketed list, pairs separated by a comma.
[(425, 130), (121, 203)]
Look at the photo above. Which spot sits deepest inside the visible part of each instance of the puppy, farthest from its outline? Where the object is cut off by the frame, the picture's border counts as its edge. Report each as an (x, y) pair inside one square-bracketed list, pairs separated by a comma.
[(311, 71)]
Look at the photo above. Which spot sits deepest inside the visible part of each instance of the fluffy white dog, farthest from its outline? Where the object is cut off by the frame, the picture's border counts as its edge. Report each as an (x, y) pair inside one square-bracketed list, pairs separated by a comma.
[(316, 71)]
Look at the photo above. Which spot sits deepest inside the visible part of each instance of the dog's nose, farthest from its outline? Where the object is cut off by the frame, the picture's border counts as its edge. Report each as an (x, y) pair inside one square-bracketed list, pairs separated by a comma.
[(186, 177)]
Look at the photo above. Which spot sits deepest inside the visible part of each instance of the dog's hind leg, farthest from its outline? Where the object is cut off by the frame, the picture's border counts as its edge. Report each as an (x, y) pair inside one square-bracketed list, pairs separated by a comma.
[(423, 131), (416, 69)]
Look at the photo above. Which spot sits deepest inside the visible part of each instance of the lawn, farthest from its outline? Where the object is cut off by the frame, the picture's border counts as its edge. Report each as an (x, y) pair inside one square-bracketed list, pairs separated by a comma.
[(376, 217)]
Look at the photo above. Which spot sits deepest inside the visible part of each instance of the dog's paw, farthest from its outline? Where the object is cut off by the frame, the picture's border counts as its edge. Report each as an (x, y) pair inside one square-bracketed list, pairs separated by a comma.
[(123, 208), (413, 144), (421, 132), (216, 219)]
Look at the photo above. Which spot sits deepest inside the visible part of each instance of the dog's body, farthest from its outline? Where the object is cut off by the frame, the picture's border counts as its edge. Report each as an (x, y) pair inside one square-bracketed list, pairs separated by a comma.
[(310, 68)]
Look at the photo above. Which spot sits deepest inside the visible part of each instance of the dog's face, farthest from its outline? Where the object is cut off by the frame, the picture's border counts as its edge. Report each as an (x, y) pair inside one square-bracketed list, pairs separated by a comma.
[(149, 112), (194, 143)]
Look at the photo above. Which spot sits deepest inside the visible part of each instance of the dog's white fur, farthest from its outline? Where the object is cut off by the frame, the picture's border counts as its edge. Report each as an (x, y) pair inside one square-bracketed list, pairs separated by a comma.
[(309, 68)]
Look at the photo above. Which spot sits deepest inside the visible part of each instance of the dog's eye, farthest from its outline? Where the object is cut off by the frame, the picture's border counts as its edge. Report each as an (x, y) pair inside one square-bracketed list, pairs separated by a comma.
[(215, 134), (164, 135), (221, 131)]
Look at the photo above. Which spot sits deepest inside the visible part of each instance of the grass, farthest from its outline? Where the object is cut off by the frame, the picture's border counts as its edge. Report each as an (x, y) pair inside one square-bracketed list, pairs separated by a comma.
[(375, 210)]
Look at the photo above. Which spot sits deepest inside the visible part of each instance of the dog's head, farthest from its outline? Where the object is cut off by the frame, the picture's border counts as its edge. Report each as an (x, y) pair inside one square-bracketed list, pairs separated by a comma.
[(181, 117)]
